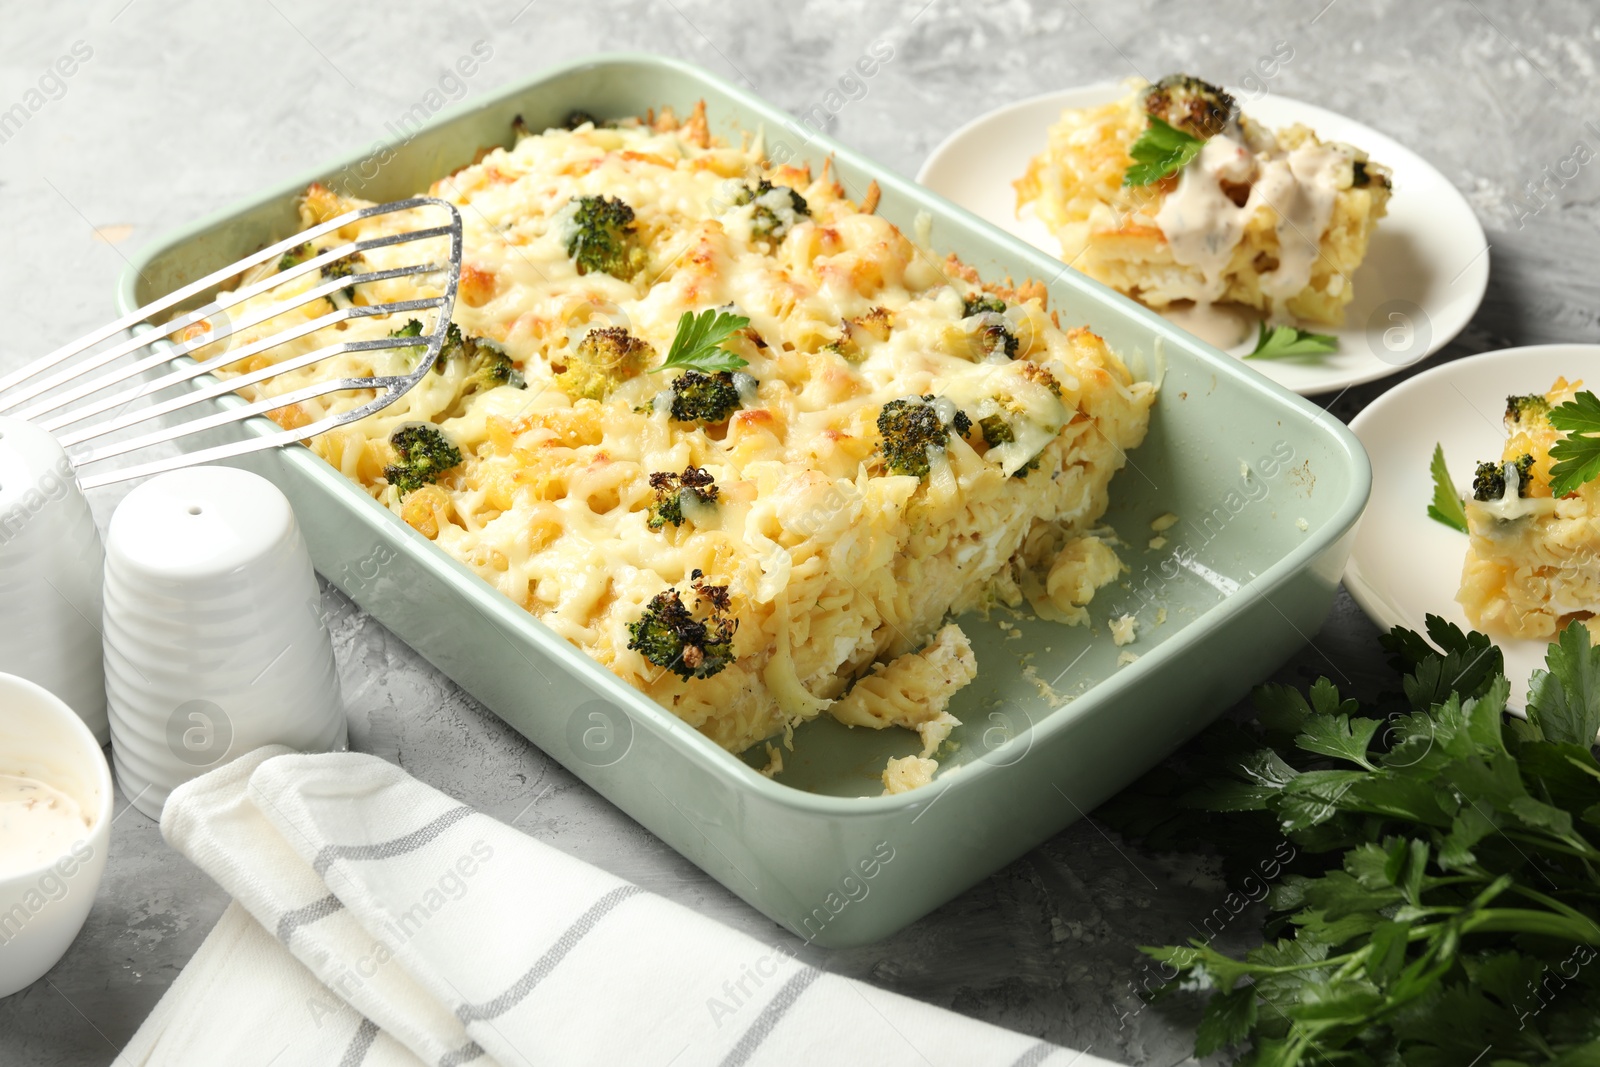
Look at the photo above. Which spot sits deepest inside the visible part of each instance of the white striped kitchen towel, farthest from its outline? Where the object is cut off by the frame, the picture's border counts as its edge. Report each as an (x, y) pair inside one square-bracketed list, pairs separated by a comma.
[(378, 922)]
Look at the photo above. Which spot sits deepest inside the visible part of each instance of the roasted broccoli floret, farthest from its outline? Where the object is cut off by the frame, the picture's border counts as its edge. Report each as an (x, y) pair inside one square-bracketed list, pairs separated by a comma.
[(1526, 411), (425, 454), (695, 483), (997, 337), (296, 256), (669, 635), (339, 268), (604, 238), (698, 397), (412, 328), (1041, 376), (344, 267), (983, 302), (996, 332), (996, 430), (912, 425), (1364, 172), (486, 362), (1194, 106), (574, 119), (605, 358), (1489, 481), (777, 209)]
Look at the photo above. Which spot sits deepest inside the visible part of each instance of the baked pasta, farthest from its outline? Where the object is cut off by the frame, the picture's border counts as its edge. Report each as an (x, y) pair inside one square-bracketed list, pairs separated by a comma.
[(1533, 563), (875, 441), (1229, 212)]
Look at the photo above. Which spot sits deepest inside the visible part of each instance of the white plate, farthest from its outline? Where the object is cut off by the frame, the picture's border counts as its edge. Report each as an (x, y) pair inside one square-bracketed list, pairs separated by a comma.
[(1404, 565), (1422, 280)]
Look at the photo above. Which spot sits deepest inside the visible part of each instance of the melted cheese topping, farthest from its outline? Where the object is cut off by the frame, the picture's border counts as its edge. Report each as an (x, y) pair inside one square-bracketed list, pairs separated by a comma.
[(832, 562)]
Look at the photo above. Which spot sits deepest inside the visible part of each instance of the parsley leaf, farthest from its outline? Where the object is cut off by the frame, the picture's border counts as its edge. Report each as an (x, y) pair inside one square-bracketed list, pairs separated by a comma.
[(1161, 150), (698, 343), (1283, 341), (1446, 506), (1577, 456), (1227, 1020), (1564, 701), (1339, 736)]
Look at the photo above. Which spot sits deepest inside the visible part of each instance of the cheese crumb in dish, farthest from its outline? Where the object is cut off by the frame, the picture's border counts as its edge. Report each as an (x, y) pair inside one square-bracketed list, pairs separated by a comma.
[(936, 732), (774, 760), (1162, 523), (739, 548), (1122, 630), (914, 688), (1083, 565), (906, 773)]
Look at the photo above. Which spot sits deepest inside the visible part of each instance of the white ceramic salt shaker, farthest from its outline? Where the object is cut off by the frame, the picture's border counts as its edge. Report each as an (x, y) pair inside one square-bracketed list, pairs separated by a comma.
[(50, 566), (214, 639)]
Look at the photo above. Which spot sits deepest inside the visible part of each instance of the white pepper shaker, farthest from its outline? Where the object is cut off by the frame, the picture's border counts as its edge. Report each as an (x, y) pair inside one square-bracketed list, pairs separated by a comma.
[(50, 567), (214, 639)]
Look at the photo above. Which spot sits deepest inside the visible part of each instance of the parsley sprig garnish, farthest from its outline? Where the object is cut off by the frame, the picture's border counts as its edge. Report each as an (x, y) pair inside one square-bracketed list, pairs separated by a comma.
[(698, 343), (1577, 456), (1282, 341), (1162, 149), (1446, 507), (1433, 890)]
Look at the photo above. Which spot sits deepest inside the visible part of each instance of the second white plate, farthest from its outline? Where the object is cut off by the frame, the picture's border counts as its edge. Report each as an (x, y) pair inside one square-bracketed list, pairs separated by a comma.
[(1404, 565), (1422, 281)]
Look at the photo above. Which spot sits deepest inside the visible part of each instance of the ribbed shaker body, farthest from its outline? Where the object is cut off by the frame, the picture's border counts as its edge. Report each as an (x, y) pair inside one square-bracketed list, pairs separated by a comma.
[(50, 567), (214, 640)]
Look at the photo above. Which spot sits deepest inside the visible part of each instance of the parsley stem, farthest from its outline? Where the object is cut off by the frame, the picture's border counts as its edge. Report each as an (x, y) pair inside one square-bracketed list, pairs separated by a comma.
[(1555, 905), (1581, 849)]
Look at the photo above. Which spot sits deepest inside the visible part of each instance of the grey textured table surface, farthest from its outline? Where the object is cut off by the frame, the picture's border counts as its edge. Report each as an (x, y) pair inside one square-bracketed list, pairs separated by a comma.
[(181, 109)]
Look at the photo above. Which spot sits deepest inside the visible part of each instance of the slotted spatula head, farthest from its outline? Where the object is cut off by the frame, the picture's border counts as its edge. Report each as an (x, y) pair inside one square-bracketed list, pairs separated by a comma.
[(83, 392)]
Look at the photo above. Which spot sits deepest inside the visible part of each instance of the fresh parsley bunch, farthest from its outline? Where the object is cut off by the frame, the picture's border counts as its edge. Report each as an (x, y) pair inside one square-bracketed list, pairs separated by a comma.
[(1443, 906)]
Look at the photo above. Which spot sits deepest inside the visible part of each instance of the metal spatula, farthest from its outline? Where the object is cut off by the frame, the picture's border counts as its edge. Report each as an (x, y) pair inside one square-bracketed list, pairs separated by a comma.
[(62, 391)]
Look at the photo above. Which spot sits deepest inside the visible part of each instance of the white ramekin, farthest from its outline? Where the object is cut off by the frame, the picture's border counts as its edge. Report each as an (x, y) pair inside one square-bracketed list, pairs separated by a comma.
[(42, 910)]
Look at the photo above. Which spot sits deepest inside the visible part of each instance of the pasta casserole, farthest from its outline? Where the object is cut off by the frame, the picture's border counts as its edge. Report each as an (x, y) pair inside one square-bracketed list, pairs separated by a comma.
[(730, 432)]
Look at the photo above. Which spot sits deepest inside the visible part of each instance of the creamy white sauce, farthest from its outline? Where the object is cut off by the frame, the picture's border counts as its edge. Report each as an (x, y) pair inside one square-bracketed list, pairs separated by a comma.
[(1301, 190), (38, 824), (1203, 226), (1217, 324)]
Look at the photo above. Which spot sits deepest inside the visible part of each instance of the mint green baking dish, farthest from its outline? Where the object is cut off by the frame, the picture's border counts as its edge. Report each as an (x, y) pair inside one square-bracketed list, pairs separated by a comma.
[(1266, 488)]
